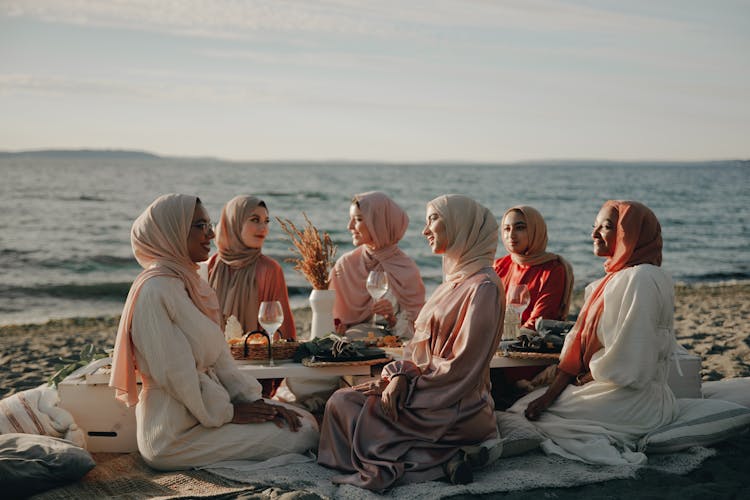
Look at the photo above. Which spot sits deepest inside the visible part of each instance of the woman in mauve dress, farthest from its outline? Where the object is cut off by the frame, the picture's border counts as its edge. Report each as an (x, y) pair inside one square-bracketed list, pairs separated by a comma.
[(411, 424)]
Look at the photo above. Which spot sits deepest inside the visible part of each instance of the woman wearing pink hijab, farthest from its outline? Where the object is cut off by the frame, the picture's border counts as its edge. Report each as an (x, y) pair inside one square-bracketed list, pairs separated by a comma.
[(611, 384), (548, 276), (411, 424), (195, 405), (239, 272), (377, 224)]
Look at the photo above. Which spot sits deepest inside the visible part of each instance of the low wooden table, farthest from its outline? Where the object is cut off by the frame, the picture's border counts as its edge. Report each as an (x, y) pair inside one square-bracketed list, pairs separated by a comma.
[(290, 369)]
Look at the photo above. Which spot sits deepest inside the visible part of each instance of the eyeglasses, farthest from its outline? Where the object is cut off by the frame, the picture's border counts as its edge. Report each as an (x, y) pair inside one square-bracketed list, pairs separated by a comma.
[(203, 226)]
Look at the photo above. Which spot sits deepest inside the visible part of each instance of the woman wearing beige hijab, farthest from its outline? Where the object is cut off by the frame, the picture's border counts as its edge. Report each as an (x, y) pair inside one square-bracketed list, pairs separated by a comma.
[(239, 272), (411, 424), (548, 276), (195, 405)]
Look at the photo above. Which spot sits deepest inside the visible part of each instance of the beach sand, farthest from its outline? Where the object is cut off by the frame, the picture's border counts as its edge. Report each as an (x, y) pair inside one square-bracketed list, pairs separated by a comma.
[(712, 321)]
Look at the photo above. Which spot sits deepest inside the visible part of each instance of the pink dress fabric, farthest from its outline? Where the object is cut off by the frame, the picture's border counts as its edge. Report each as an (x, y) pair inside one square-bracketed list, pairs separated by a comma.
[(242, 276), (447, 366), (154, 237), (387, 223)]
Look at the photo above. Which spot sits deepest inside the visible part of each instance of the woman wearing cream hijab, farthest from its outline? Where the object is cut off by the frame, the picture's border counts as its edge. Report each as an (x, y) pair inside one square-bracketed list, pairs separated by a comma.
[(436, 400), (196, 407), (548, 276)]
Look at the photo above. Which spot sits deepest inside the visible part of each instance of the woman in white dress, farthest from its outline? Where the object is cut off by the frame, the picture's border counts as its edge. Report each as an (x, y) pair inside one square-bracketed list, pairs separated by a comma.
[(611, 385), (196, 407)]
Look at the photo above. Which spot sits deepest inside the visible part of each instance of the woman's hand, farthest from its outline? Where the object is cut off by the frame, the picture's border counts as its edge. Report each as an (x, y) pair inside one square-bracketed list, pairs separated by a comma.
[(371, 387), (394, 397), (256, 412), (288, 416), (383, 307), (584, 378), (341, 329), (539, 405)]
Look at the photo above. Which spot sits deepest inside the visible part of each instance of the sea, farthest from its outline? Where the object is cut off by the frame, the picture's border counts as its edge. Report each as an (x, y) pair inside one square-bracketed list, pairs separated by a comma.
[(65, 232)]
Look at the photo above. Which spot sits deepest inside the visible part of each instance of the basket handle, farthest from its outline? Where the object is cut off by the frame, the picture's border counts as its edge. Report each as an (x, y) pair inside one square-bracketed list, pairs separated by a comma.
[(248, 335)]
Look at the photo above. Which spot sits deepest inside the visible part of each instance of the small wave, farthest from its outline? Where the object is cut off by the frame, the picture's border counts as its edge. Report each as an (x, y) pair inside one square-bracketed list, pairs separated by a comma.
[(118, 291), (716, 277)]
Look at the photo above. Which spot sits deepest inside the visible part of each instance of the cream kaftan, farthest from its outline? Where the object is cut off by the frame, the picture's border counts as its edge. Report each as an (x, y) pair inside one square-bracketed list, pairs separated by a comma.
[(602, 421), (189, 382)]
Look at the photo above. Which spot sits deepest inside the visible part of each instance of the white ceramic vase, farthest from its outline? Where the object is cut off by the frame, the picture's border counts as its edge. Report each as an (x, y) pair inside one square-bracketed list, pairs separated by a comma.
[(321, 303)]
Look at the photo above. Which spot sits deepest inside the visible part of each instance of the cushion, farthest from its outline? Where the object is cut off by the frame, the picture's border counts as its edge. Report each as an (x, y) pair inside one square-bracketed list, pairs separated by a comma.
[(736, 390), (701, 422), (31, 463), (517, 434), (36, 411)]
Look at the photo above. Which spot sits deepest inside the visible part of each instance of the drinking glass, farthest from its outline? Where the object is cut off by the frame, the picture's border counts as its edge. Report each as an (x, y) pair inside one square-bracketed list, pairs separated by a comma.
[(377, 285), (270, 318), (518, 300)]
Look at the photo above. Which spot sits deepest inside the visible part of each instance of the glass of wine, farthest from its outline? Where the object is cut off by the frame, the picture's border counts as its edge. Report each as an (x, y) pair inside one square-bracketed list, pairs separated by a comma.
[(518, 300), (377, 285), (270, 318)]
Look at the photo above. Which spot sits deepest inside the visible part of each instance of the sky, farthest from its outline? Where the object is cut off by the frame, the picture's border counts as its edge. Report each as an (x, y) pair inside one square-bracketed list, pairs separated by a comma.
[(395, 81)]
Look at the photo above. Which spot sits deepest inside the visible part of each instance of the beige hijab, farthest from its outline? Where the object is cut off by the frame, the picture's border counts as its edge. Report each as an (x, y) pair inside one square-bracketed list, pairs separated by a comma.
[(232, 272), (537, 252), (159, 240), (387, 223)]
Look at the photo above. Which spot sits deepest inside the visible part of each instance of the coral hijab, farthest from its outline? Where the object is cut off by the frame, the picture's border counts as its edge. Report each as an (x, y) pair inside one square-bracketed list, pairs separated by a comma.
[(231, 272), (159, 240), (637, 241), (537, 252), (387, 223)]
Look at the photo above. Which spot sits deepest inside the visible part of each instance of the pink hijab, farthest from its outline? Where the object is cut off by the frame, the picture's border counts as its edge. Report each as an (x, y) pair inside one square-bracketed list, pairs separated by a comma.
[(537, 252), (232, 273), (159, 240), (387, 223), (637, 241)]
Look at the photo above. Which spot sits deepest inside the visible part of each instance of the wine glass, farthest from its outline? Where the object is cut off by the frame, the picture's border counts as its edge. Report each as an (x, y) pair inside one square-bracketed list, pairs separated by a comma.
[(518, 300), (377, 285), (270, 318)]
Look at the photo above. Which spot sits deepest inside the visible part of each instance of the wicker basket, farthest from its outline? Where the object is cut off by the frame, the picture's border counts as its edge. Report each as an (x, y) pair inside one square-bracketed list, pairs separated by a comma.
[(259, 352)]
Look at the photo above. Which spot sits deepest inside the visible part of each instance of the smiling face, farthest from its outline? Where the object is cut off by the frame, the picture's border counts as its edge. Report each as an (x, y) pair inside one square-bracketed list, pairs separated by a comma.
[(200, 235), (515, 232), (255, 227), (358, 228), (605, 232), (435, 231)]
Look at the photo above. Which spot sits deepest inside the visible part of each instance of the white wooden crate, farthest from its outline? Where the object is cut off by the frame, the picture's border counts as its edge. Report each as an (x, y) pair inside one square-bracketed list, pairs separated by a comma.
[(108, 424), (687, 384)]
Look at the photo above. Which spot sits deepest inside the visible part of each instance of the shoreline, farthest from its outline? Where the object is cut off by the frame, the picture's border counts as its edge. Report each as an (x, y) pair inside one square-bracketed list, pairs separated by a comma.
[(711, 320)]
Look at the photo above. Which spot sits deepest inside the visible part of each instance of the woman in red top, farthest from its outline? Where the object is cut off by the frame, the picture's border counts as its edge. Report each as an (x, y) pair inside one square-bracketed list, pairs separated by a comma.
[(548, 276)]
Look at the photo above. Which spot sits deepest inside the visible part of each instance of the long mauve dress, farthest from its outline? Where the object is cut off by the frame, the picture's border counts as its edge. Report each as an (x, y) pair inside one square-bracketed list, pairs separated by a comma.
[(448, 403)]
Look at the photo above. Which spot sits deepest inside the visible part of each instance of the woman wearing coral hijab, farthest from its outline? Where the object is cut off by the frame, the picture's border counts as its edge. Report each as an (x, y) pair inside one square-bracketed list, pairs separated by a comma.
[(548, 276), (239, 272), (196, 407), (377, 224), (611, 385), (411, 424)]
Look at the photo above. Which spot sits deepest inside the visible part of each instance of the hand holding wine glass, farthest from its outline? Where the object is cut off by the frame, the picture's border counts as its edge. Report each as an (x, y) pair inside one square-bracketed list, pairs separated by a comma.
[(377, 285), (270, 318)]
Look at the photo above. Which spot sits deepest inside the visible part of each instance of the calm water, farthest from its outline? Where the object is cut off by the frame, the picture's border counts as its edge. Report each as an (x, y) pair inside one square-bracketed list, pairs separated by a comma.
[(65, 249)]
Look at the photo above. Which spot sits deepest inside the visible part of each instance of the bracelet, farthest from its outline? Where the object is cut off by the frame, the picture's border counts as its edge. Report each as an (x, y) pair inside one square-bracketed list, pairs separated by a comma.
[(578, 379)]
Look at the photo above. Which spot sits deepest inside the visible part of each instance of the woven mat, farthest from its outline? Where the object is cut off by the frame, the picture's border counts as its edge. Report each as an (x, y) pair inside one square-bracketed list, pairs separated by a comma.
[(366, 362), (126, 476), (532, 355)]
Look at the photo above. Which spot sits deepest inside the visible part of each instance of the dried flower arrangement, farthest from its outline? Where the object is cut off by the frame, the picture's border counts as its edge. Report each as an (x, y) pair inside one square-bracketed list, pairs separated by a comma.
[(316, 252)]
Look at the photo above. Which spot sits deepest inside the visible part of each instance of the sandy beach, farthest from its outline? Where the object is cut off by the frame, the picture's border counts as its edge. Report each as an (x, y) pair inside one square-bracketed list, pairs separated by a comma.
[(710, 320)]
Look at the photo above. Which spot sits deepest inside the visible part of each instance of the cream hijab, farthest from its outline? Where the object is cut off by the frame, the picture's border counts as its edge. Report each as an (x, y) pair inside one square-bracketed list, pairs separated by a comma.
[(471, 231), (232, 272), (159, 240), (537, 252), (387, 223)]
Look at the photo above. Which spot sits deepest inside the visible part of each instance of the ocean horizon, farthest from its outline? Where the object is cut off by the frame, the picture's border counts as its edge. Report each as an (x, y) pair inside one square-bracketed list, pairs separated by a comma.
[(65, 248)]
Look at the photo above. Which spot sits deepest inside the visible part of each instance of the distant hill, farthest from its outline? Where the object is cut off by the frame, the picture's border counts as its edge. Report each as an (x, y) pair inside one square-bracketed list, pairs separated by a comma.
[(81, 153)]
